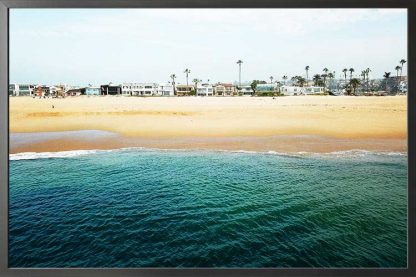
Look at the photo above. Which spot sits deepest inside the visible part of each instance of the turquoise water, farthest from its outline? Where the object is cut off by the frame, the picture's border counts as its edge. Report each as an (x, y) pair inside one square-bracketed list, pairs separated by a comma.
[(156, 208)]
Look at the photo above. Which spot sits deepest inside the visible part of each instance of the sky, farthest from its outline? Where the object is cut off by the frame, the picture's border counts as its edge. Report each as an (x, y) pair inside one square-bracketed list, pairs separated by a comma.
[(98, 46)]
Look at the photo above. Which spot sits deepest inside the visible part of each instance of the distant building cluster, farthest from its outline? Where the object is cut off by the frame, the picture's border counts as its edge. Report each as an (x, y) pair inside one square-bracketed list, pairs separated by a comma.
[(153, 89), (260, 88)]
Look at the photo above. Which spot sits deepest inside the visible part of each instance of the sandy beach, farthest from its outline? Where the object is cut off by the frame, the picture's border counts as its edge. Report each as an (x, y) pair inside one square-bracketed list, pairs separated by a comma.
[(293, 124)]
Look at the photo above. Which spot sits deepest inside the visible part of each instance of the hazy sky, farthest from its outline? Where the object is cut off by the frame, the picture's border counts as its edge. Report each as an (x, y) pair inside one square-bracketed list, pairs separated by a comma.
[(81, 46)]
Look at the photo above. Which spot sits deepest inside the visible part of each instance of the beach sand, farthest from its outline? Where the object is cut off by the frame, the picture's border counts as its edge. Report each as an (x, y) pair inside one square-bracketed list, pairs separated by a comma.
[(284, 124)]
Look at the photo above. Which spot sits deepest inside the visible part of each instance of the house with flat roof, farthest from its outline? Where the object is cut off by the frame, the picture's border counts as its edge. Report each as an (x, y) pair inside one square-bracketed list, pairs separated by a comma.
[(314, 90), (204, 90), (224, 89), (129, 89), (92, 90), (183, 90), (139, 89), (268, 87), (147, 89), (165, 90), (21, 89), (295, 90), (57, 91), (291, 90), (110, 90), (245, 90)]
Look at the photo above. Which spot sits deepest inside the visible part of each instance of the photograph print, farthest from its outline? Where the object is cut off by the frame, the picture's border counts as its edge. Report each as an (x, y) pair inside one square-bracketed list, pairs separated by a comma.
[(208, 138)]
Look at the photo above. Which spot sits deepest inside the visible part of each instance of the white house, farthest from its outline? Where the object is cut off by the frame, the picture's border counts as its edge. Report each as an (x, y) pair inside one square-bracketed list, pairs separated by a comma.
[(21, 89), (292, 90), (139, 89), (204, 90), (129, 89), (314, 90), (245, 90), (165, 90), (295, 90)]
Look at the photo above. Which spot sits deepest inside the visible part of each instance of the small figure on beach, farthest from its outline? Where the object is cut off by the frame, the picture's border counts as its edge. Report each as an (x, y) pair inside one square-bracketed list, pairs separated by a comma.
[(53, 107)]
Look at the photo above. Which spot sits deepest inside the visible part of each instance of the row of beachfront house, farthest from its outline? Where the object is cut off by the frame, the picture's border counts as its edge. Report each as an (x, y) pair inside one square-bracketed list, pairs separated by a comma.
[(153, 89)]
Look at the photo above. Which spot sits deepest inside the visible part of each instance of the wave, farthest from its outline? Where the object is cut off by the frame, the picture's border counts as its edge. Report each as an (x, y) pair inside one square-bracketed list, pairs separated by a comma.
[(76, 153), (48, 155)]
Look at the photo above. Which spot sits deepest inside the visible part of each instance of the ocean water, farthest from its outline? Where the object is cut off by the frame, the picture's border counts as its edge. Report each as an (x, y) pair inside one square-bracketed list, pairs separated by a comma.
[(173, 208)]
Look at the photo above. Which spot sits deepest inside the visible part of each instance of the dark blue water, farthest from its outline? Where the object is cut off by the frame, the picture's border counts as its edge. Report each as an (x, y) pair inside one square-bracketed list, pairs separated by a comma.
[(155, 208)]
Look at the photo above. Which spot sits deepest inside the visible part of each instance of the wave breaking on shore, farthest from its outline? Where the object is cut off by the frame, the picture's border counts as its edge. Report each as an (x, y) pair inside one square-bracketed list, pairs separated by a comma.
[(78, 153)]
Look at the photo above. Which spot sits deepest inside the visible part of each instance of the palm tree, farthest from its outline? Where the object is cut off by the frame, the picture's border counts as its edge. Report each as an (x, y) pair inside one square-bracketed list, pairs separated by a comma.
[(402, 62), (397, 68), (331, 77), (363, 74), (351, 71), (284, 79), (298, 80), (367, 72), (316, 79), (173, 77), (325, 70), (345, 75), (307, 71), (271, 79), (354, 83), (196, 81), (324, 76), (386, 76), (301, 81), (187, 71), (239, 62)]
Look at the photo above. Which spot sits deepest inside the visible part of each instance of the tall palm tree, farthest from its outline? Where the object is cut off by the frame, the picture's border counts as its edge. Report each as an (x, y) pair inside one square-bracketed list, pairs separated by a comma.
[(351, 71), (187, 71), (271, 79), (324, 76), (386, 77), (402, 62), (331, 78), (397, 68), (367, 72), (307, 73), (284, 79), (325, 70), (354, 83), (196, 81), (239, 62), (345, 75), (363, 74), (173, 77)]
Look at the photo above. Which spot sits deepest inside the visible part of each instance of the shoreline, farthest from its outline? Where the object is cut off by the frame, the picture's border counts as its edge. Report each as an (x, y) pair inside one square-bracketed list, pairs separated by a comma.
[(100, 140)]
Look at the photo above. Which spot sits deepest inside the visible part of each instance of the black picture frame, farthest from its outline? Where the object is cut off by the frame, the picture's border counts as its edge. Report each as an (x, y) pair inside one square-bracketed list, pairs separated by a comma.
[(6, 5)]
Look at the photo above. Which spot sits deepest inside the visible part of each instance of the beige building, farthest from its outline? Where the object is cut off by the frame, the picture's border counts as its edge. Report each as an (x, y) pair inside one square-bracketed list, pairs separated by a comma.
[(222, 89), (183, 90)]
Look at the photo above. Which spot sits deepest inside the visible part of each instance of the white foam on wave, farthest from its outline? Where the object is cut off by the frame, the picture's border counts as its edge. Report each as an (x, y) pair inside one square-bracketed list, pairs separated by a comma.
[(362, 153), (49, 155), (76, 153)]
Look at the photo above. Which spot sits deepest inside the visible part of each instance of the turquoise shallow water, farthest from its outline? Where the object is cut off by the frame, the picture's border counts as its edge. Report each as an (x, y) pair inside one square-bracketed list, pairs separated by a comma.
[(156, 208)]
